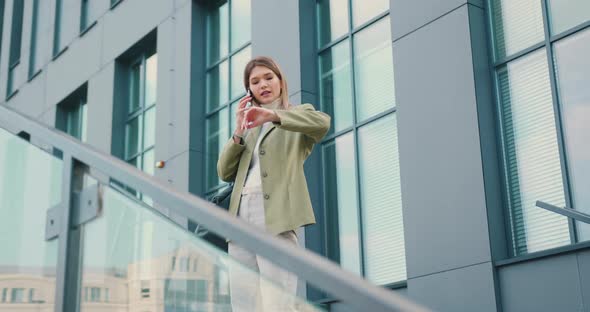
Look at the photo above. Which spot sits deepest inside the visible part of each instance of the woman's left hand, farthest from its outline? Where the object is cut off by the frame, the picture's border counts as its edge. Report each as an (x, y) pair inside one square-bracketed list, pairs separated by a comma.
[(256, 116)]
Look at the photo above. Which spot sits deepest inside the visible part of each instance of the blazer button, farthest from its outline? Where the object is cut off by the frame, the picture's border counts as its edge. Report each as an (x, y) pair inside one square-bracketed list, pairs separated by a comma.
[(262, 152), (266, 196), (264, 174)]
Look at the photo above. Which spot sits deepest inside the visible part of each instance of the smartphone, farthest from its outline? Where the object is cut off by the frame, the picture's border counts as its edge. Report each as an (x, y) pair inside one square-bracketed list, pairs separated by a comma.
[(249, 103)]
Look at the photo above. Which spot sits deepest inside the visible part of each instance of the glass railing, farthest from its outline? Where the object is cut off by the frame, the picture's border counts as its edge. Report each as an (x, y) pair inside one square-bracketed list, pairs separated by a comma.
[(133, 256), (30, 185), (100, 248)]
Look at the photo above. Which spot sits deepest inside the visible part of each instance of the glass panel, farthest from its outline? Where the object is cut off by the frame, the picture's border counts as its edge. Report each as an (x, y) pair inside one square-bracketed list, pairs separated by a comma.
[(134, 251), (241, 26), (134, 87), (335, 85), (16, 31), (238, 63), (533, 169), (41, 39), (517, 25), (149, 132), (217, 30), (385, 257), (149, 162), (217, 136), (341, 203), (571, 61), (332, 20), (151, 80), (73, 122), (30, 184), (568, 14), (133, 133), (217, 86), (363, 12), (373, 70)]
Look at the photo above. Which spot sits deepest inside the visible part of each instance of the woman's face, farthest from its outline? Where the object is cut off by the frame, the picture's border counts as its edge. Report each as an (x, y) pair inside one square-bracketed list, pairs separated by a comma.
[(265, 85)]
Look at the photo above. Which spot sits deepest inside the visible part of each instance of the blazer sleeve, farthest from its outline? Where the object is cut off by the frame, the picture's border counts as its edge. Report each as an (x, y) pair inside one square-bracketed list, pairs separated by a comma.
[(304, 119), (227, 165)]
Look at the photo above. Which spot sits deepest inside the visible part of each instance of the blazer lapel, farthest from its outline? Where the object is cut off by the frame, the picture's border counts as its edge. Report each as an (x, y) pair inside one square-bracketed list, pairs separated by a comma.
[(268, 130), (252, 137)]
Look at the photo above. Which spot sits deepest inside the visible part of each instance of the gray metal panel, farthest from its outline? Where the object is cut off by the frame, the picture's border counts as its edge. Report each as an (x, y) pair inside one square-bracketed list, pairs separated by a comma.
[(445, 218), (30, 99), (120, 33), (584, 273), (100, 108), (409, 15), (281, 40), (75, 66), (466, 289), (173, 98), (549, 284)]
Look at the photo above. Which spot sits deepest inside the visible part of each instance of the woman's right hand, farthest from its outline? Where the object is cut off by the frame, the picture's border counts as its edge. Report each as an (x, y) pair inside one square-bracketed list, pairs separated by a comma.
[(240, 112)]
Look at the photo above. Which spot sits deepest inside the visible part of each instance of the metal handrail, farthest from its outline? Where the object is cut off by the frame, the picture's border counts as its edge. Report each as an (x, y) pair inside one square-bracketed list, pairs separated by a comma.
[(343, 285), (565, 211)]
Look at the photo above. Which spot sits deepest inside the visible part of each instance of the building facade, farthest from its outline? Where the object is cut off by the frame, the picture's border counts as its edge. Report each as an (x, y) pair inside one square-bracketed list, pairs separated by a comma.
[(450, 119)]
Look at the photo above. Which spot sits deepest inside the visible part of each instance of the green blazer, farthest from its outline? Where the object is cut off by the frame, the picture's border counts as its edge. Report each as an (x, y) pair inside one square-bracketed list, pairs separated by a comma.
[(282, 152)]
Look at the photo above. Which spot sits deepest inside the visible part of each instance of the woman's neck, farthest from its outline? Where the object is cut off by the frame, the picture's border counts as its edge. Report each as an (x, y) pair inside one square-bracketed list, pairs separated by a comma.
[(273, 105)]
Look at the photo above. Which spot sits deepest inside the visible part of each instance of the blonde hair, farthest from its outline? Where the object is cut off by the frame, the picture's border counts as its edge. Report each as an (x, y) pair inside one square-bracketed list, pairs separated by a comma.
[(269, 63)]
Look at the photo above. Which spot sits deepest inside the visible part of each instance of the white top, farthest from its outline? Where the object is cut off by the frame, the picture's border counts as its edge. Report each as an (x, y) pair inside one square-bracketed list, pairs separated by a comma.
[(253, 179)]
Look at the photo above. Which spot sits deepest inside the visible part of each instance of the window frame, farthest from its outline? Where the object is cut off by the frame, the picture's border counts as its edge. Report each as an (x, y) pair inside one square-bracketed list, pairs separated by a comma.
[(332, 243), (209, 190), (496, 64), (74, 103), (139, 111)]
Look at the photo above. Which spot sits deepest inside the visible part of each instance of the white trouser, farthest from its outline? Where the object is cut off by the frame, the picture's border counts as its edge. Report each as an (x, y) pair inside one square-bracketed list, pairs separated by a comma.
[(276, 289)]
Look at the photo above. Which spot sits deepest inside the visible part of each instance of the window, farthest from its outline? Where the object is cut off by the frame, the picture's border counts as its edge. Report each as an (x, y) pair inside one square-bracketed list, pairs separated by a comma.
[(31, 295), (228, 51), (39, 36), (573, 78), (72, 114), (145, 289), (4, 294), (140, 125), (360, 157), (15, 46), (17, 295), (181, 295), (90, 9), (66, 19), (538, 82), (95, 294)]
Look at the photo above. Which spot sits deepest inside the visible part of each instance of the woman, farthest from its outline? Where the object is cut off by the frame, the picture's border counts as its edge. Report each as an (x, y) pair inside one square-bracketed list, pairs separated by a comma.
[(265, 159)]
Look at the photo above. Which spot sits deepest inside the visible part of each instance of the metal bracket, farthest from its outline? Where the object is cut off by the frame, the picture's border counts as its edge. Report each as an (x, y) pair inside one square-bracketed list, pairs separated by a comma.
[(86, 206), (52, 222)]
